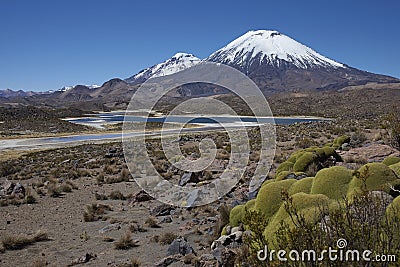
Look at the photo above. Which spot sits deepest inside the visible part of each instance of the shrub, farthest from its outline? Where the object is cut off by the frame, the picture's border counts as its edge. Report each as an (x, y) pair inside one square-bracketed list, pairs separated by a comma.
[(282, 175), (116, 195), (303, 223), (223, 220), (20, 241), (236, 215), (269, 197), (339, 141), (53, 190), (295, 155), (303, 185), (100, 196), (332, 182), (256, 223), (65, 188), (303, 161), (394, 207), (285, 166), (125, 242), (125, 175), (152, 222), (392, 125), (310, 207), (395, 168), (39, 262), (357, 138), (95, 212), (135, 262), (250, 204), (167, 238), (376, 176), (100, 178), (329, 152), (391, 160), (376, 234)]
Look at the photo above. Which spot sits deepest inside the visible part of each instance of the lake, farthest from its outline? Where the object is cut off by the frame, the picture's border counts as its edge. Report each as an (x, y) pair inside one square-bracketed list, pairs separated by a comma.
[(97, 120)]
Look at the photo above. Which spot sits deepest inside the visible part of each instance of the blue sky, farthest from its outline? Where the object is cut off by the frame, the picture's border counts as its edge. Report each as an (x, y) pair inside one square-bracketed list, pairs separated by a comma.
[(49, 44)]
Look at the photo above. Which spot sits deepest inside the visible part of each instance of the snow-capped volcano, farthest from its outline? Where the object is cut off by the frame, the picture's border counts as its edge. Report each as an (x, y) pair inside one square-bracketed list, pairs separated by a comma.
[(179, 62), (270, 48), (274, 61)]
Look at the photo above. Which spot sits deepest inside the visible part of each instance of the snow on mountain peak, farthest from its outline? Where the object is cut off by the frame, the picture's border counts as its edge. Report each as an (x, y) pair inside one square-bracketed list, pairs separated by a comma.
[(180, 61), (272, 47)]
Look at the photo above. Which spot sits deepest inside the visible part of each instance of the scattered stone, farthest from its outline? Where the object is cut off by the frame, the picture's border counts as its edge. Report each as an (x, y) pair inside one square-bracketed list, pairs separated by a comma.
[(188, 177), (65, 161), (168, 261), (180, 246), (84, 259), (370, 152), (221, 241), (140, 196), (112, 150), (162, 210), (236, 236), (7, 187), (19, 189), (110, 227), (236, 229), (166, 219), (193, 197), (236, 202), (345, 146), (113, 153), (228, 229), (90, 161), (212, 219)]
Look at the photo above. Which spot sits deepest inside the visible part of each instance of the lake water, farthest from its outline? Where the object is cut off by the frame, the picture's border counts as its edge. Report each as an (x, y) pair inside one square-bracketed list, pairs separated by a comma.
[(99, 119), (203, 123)]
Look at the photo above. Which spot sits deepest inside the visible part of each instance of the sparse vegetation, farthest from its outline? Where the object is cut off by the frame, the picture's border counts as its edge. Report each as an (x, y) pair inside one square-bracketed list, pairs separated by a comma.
[(152, 222), (20, 241), (125, 242), (392, 125), (167, 238), (95, 212), (116, 195)]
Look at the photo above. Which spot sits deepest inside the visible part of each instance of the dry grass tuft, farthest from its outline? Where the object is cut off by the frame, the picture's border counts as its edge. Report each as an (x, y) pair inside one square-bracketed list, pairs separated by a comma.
[(167, 238), (152, 222), (126, 242), (15, 242)]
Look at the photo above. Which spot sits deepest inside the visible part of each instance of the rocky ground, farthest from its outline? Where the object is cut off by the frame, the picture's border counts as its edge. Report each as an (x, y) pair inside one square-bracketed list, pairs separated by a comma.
[(88, 209), (92, 212)]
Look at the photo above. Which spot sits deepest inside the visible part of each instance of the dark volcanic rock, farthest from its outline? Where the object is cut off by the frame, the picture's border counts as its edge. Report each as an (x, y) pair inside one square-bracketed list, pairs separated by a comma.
[(180, 246), (162, 210)]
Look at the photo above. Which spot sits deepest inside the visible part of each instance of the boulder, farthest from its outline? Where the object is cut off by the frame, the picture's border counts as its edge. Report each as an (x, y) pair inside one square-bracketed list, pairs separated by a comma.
[(162, 210), (188, 177), (180, 246)]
